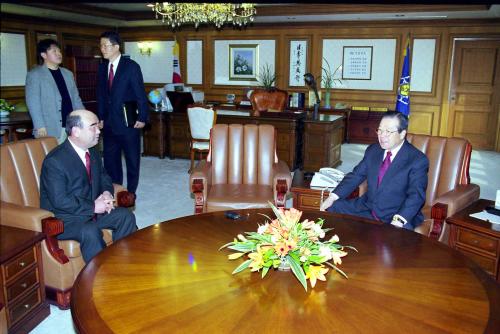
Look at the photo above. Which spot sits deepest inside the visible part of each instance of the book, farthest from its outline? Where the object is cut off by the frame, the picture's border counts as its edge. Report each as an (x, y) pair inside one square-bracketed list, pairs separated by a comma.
[(130, 113)]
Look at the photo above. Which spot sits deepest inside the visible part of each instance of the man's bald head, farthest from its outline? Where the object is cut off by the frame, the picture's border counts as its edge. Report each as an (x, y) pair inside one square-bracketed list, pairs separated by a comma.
[(82, 127)]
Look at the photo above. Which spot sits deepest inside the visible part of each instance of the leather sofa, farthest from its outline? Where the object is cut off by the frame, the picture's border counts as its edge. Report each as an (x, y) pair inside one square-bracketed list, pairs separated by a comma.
[(268, 100), (21, 164), (241, 171)]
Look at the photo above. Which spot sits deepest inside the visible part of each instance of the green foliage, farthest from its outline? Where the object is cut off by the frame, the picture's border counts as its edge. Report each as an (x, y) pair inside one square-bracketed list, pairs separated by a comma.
[(328, 76), (267, 78), (4, 105)]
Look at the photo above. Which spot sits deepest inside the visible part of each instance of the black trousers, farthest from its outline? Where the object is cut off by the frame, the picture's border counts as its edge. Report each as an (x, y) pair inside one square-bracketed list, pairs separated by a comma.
[(89, 234), (113, 146)]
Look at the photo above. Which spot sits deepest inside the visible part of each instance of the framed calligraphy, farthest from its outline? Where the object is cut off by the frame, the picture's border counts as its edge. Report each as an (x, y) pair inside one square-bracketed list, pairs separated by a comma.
[(298, 61), (357, 62)]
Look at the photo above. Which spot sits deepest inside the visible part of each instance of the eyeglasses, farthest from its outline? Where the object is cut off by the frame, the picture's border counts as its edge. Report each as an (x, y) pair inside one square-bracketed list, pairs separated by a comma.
[(106, 46), (382, 132)]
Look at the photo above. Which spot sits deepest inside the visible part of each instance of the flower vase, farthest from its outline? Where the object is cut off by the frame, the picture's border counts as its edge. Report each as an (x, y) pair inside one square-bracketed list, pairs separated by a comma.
[(284, 264), (327, 99)]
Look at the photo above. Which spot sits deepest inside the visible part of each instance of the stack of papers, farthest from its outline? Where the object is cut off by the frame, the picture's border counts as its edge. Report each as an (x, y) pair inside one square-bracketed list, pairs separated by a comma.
[(483, 215)]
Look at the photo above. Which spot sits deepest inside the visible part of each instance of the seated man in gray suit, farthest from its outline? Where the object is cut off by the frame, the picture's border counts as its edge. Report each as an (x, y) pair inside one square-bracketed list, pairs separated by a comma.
[(75, 187), (51, 93), (396, 173)]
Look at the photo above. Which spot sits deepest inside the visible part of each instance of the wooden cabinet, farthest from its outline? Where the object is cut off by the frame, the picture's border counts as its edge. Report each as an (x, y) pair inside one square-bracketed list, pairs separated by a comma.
[(477, 239), (23, 289), (362, 125), (81, 61), (322, 142), (305, 198), (155, 133)]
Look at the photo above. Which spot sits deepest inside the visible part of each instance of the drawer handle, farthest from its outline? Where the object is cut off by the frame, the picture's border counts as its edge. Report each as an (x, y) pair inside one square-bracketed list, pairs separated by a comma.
[(24, 285), (22, 264), (475, 242), (26, 306)]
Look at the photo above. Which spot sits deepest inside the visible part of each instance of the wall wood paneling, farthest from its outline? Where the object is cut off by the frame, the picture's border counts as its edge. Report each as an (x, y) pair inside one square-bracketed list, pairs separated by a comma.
[(429, 105)]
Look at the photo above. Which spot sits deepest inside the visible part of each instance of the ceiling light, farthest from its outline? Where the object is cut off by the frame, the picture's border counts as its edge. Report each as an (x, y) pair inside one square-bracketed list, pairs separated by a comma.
[(176, 14)]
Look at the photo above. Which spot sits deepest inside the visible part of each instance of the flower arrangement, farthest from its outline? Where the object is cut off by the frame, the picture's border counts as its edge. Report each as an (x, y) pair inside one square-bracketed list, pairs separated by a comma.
[(328, 77), (287, 241)]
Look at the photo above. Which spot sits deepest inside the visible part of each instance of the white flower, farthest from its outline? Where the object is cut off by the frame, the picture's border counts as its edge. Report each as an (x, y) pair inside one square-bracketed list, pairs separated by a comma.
[(244, 67), (334, 239), (303, 258), (238, 69), (262, 228), (318, 231), (274, 239), (326, 252)]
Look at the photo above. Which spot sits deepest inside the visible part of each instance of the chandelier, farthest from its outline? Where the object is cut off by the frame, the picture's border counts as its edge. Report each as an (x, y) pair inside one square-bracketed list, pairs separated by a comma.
[(175, 14)]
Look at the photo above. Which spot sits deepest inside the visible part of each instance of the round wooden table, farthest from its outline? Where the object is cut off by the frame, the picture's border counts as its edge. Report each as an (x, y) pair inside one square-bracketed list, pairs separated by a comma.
[(171, 277)]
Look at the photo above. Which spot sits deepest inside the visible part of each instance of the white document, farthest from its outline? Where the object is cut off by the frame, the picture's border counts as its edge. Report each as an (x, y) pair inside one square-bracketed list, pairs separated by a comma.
[(483, 215)]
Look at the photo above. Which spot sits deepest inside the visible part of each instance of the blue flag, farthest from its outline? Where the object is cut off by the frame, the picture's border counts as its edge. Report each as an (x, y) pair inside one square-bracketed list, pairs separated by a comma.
[(403, 101)]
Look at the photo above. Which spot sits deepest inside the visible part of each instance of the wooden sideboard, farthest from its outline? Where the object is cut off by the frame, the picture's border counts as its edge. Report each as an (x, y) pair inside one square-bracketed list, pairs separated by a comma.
[(477, 239), (17, 126), (301, 142), (22, 286)]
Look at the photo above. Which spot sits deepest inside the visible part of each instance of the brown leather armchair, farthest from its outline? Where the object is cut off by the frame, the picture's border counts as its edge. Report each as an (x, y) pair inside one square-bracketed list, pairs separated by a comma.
[(21, 164), (268, 100), (448, 189), (241, 171)]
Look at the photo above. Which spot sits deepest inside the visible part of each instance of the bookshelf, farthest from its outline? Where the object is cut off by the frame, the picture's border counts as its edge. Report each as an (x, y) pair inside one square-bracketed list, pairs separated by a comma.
[(83, 62)]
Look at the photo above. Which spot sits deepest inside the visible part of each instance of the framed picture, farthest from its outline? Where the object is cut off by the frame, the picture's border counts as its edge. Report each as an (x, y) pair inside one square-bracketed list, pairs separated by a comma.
[(357, 62), (243, 62), (298, 61)]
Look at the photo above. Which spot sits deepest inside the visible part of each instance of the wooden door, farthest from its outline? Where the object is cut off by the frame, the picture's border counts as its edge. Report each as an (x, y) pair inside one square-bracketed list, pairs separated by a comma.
[(475, 93)]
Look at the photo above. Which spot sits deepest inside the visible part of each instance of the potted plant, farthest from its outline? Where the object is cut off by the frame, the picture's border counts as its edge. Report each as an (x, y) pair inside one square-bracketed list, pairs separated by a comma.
[(267, 78), (5, 108), (329, 80)]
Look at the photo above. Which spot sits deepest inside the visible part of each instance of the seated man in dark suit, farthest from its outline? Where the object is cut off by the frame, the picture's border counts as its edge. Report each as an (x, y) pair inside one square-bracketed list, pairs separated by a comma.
[(396, 173), (75, 187)]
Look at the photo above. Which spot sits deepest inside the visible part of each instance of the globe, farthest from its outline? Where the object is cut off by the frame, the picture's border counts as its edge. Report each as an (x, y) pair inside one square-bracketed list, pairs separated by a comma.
[(155, 97)]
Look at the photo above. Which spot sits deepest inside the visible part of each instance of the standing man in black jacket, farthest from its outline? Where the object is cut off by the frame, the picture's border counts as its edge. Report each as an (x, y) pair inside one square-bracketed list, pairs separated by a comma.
[(122, 109)]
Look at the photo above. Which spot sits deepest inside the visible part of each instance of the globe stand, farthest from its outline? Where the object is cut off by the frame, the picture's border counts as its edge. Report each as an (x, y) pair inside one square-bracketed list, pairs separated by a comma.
[(157, 107)]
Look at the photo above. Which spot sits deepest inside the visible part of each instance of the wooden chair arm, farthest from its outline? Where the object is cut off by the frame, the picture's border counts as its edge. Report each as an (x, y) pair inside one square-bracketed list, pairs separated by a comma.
[(125, 199), (52, 226)]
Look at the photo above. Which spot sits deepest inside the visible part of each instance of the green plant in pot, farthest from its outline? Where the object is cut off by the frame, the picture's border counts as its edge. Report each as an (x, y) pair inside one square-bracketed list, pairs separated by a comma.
[(267, 77), (329, 80), (5, 108)]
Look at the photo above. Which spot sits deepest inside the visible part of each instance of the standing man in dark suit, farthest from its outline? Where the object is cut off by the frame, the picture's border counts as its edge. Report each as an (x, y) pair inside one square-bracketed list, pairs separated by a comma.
[(122, 109), (75, 187), (396, 172)]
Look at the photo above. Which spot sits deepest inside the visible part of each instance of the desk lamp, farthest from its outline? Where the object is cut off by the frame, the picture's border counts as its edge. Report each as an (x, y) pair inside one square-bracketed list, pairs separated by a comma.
[(309, 79)]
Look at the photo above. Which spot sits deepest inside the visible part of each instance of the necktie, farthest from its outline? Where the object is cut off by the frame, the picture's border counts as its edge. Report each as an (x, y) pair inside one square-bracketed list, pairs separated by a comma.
[(87, 166), (384, 167), (111, 76)]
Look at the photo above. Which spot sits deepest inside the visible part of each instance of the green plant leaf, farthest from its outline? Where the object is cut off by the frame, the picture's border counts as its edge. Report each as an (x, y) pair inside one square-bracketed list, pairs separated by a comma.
[(298, 271), (264, 271), (244, 248), (242, 267), (226, 245)]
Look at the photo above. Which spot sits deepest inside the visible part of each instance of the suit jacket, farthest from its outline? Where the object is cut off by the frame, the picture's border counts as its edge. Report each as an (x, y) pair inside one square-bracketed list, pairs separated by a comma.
[(64, 185), (128, 85), (44, 100), (402, 190)]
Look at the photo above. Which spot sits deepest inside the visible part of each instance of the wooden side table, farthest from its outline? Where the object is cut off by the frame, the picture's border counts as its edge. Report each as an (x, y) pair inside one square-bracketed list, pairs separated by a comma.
[(305, 198), (478, 239), (22, 285)]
